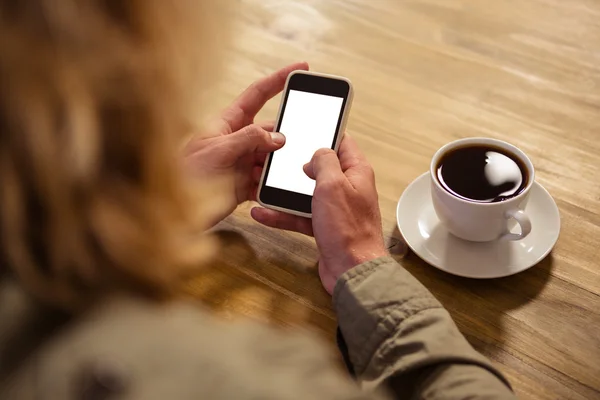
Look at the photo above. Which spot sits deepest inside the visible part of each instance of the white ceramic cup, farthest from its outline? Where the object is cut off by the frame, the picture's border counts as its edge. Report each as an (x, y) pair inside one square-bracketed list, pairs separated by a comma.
[(476, 221)]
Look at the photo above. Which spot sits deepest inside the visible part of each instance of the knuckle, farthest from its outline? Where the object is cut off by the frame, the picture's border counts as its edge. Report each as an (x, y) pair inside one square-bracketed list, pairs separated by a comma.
[(370, 172), (323, 152), (330, 186), (253, 130), (254, 134), (320, 192)]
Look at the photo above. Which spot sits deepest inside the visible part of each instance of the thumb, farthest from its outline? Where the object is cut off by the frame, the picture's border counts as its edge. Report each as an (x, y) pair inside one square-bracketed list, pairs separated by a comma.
[(324, 165), (254, 139)]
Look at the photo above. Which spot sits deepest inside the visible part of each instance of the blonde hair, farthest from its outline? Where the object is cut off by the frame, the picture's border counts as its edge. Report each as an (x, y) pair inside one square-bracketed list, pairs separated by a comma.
[(93, 104)]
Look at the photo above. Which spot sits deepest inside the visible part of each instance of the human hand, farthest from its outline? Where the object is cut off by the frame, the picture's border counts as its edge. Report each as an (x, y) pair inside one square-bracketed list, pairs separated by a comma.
[(346, 221), (236, 147)]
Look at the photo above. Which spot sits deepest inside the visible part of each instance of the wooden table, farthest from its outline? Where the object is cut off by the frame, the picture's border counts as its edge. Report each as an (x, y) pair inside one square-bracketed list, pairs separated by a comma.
[(427, 72)]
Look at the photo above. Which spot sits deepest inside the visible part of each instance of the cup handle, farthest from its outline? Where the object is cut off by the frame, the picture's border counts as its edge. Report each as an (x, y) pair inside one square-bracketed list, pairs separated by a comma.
[(523, 221)]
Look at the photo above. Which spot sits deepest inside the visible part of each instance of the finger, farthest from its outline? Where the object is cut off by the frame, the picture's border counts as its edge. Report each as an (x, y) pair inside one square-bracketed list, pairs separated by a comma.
[(324, 166), (253, 193), (248, 104), (350, 154), (260, 158), (258, 93), (279, 220), (256, 174), (252, 139), (307, 168), (268, 126), (355, 165)]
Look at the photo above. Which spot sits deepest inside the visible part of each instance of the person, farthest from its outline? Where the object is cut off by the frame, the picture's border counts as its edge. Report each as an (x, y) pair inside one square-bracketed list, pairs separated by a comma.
[(101, 222)]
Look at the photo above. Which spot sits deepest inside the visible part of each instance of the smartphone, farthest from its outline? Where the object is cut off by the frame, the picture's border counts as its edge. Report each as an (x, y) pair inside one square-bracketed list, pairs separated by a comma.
[(313, 115)]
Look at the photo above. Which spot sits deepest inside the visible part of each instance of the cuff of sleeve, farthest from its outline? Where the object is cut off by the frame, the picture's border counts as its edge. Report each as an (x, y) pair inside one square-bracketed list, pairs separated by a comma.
[(371, 300)]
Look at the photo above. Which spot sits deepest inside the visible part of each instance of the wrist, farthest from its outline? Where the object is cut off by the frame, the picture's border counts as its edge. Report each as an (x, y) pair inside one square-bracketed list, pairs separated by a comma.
[(356, 256)]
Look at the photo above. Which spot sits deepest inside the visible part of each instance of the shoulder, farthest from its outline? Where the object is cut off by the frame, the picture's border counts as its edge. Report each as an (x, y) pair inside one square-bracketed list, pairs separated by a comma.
[(115, 347), (145, 351)]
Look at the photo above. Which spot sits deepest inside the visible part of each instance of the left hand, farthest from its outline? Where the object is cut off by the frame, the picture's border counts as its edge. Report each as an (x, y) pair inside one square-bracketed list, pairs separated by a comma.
[(235, 146)]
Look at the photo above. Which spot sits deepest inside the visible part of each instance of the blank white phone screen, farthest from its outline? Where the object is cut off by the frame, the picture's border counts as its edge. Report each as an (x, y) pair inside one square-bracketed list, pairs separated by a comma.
[(309, 123)]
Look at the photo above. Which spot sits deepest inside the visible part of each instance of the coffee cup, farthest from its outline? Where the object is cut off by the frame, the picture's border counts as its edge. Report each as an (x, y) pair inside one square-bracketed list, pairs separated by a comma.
[(480, 187)]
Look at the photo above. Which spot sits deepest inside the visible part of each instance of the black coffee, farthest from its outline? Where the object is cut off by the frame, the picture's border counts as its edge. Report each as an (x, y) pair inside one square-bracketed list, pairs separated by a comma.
[(482, 173)]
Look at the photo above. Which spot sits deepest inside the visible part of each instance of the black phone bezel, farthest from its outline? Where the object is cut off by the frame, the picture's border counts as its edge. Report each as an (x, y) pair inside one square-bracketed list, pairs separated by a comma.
[(313, 84)]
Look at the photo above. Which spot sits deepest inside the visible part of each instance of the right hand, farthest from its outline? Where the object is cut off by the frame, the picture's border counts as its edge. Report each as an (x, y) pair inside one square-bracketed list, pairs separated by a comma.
[(346, 221)]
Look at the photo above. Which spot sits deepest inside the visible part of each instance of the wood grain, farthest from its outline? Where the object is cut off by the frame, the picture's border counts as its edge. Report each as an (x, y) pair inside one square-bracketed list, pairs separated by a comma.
[(427, 72)]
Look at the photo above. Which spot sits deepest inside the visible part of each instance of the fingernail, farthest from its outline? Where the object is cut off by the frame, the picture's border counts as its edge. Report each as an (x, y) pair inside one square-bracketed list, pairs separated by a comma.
[(278, 138)]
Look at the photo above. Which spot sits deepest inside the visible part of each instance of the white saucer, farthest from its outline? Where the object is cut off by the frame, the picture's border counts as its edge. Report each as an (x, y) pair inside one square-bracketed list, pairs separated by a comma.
[(426, 236)]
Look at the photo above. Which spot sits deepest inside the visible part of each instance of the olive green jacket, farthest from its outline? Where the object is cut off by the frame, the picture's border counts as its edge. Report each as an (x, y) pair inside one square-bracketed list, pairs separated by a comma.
[(400, 343)]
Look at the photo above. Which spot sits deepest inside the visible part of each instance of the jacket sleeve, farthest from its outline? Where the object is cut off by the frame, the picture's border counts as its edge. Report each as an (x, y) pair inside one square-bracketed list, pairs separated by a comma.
[(398, 336)]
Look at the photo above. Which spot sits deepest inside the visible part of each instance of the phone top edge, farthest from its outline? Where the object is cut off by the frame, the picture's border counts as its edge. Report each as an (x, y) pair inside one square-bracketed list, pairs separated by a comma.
[(320, 74)]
